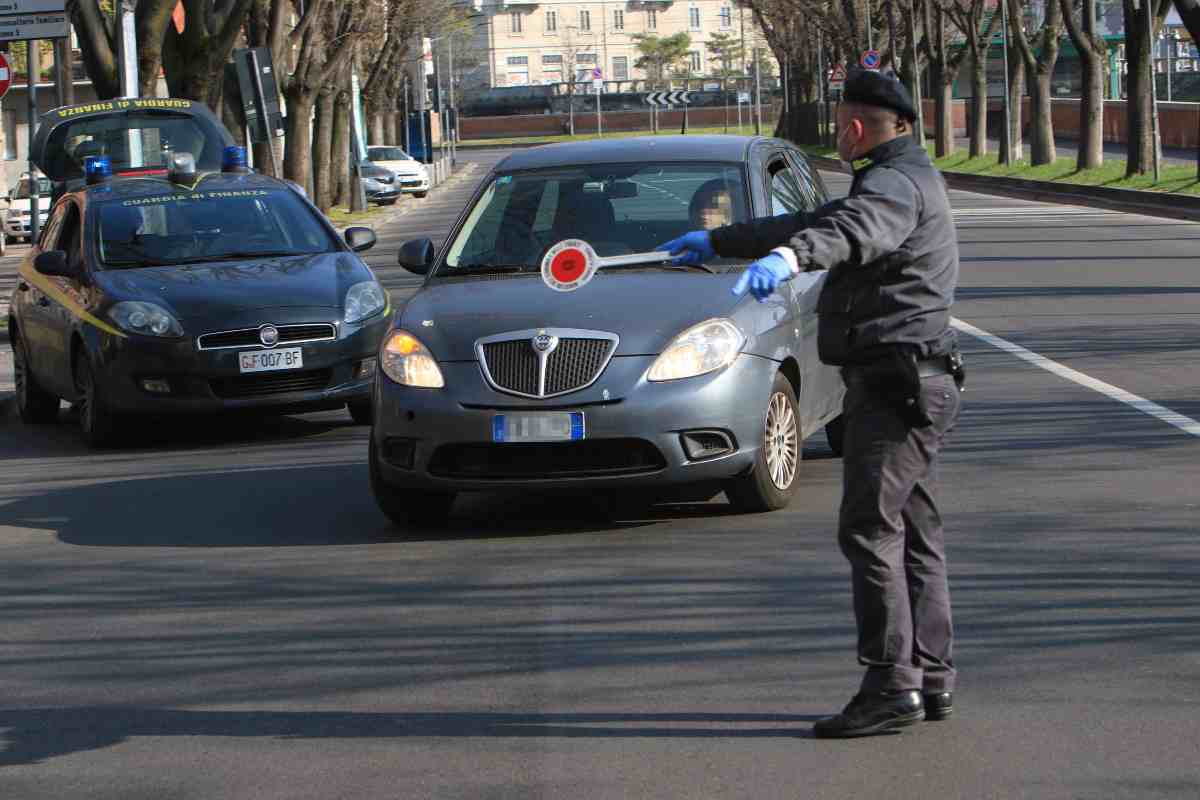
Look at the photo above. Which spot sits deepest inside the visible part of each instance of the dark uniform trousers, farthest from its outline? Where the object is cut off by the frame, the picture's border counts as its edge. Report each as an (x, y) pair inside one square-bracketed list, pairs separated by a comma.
[(891, 533)]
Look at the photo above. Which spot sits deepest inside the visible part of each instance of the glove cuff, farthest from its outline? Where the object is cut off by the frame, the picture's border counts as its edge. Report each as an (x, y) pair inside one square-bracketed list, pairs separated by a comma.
[(789, 256)]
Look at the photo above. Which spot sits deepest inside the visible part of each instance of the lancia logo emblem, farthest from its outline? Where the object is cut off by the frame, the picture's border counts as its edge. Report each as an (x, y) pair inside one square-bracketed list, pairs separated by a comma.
[(268, 335), (544, 342)]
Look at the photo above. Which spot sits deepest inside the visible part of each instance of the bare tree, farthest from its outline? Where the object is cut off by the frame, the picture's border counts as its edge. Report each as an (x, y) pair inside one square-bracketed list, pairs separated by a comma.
[(1092, 52), (1040, 64), (943, 66), (977, 26), (1139, 37)]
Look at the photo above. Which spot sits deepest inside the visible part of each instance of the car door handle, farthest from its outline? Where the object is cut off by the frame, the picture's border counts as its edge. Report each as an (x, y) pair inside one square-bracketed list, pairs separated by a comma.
[(22, 287)]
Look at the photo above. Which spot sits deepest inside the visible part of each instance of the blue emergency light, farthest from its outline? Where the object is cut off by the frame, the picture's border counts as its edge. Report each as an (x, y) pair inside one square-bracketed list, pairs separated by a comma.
[(97, 169), (233, 159)]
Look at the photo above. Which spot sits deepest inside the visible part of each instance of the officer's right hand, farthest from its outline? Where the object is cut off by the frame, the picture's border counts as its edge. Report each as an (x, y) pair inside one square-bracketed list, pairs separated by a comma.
[(696, 248)]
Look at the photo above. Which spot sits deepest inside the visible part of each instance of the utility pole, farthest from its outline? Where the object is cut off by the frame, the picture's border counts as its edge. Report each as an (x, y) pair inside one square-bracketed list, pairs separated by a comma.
[(1148, 6), (1006, 157), (127, 69), (916, 66), (32, 68), (757, 95)]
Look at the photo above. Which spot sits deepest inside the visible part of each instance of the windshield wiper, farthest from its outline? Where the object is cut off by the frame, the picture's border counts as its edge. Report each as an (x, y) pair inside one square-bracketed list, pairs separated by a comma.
[(665, 265), (490, 269)]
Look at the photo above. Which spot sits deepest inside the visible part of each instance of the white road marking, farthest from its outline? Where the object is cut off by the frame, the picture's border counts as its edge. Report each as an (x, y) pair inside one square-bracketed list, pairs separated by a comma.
[(1185, 424)]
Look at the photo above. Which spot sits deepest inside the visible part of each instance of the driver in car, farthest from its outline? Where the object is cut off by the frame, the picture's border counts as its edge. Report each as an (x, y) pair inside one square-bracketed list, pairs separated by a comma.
[(712, 205)]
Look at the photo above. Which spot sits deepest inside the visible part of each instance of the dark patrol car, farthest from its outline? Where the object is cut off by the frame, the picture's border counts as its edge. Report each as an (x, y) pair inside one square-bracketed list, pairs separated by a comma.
[(179, 290)]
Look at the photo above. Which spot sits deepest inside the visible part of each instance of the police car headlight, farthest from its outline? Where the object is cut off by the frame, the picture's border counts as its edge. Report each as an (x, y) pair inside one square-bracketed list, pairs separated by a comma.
[(703, 348), (363, 300), (146, 319), (409, 363)]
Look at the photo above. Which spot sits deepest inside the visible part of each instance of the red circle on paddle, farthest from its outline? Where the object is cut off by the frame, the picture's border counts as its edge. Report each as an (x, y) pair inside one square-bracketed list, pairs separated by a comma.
[(569, 265)]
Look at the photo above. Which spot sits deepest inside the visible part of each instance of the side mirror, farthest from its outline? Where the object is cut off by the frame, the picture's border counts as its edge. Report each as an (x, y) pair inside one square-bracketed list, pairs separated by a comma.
[(360, 239), (54, 263), (416, 256)]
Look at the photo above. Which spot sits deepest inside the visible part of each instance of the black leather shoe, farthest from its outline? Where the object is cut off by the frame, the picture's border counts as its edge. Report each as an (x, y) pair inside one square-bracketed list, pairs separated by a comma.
[(938, 705), (872, 713)]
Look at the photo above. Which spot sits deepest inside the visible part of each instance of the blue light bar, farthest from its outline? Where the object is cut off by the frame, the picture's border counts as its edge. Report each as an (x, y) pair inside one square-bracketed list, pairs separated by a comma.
[(233, 159), (97, 169)]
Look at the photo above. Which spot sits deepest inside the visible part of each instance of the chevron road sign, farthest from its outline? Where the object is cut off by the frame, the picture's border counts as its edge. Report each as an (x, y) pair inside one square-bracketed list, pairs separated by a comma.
[(673, 98)]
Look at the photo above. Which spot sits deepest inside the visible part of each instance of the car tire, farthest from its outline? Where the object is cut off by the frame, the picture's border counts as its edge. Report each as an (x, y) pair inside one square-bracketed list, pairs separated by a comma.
[(360, 411), (98, 424), (391, 202), (419, 195), (772, 481), (35, 405), (408, 508), (835, 434)]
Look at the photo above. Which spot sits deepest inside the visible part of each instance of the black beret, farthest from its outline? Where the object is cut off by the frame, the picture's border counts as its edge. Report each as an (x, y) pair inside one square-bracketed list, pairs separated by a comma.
[(883, 91)]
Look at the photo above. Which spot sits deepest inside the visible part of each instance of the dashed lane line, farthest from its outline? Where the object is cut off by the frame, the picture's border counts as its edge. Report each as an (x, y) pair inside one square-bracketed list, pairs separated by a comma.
[(1185, 424)]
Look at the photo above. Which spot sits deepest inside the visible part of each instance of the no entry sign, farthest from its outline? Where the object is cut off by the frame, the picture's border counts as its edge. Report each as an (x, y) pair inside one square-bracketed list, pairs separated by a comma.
[(5, 76)]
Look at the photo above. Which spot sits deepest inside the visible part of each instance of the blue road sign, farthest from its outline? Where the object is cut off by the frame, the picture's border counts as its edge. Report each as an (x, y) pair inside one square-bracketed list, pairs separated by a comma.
[(870, 60)]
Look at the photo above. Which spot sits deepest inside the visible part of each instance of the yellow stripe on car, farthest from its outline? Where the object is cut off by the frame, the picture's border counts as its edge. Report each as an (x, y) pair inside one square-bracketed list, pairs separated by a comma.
[(73, 306)]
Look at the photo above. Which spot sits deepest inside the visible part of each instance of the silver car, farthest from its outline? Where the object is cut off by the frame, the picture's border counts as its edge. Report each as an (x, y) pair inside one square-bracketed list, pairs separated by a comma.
[(552, 347)]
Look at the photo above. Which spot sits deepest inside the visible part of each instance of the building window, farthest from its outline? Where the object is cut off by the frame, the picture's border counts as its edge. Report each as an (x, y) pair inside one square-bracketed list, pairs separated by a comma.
[(585, 20), (515, 22), (620, 68), (518, 61), (552, 59), (694, 18), (551, 21), (651, 20), (694, 57), (585, 58), (618, 20), (726, 17)]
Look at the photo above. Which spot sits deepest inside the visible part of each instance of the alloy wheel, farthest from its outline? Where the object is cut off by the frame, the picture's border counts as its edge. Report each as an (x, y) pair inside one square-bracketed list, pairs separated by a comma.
[(782, 442)]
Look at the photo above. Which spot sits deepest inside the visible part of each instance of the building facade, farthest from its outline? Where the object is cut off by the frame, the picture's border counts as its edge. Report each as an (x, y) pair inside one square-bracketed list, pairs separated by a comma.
[(536, 43)]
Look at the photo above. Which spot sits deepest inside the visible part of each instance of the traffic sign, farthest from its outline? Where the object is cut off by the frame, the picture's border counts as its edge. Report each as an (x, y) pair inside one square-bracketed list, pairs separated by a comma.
[(5, 76), (743, 97), (32, 6), (672, 98), (33, 19), (870, 60), (597, 85), (597, 74)]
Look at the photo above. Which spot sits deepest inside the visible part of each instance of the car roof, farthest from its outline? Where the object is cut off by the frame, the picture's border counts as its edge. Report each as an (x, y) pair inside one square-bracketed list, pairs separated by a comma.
[(131, 187), (635, 149)]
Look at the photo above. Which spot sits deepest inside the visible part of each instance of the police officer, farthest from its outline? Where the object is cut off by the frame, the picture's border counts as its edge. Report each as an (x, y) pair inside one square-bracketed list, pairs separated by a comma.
[(884, 318)]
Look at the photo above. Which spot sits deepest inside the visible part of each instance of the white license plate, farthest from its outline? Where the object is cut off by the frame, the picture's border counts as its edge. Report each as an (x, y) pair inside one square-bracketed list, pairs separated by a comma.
[(271, 360), (545, 426)]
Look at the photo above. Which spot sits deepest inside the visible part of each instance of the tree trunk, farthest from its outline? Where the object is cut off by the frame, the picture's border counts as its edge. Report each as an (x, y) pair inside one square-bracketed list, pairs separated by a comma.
[(377, 132), (1138, 102), (322, 151), (297, 154), (979, 103), (1042, 149), (1091, 112), (1016, 107), (944, 114), (341, 150)]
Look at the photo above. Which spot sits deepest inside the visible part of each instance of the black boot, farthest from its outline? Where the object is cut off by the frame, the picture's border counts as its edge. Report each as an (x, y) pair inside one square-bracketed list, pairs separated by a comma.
[(938, 705), (871, 713)]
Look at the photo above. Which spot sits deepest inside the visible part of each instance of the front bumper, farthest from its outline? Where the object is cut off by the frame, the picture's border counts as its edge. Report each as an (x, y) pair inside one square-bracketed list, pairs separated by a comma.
[(210, 380), (19, 227), (446, 434)]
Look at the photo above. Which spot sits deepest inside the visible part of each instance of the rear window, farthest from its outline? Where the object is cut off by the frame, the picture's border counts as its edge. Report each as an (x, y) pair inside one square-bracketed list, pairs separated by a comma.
[(132, 141), (207, 226), (616, 208)]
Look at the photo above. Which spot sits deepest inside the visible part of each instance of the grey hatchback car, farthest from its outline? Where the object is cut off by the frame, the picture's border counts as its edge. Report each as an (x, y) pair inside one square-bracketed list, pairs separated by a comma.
[(551, 347)]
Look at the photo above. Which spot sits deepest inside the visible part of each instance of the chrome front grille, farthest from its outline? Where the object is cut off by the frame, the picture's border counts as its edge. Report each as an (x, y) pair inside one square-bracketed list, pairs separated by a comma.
[(573, 360), (248, 337)]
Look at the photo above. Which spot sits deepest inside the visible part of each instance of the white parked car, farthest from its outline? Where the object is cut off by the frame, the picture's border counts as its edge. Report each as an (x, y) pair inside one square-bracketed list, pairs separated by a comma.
[(410, 173), (16, 217)]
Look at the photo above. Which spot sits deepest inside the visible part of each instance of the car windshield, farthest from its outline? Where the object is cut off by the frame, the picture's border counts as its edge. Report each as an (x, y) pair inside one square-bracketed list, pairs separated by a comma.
[(207, 226), (22, 191), (387, 154), (132, 141), (616, 208)]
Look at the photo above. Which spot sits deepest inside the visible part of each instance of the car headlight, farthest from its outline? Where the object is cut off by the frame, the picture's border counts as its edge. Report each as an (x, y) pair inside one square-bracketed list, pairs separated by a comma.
[(703, 348), (409, 363), (364, 300), (146, 319)]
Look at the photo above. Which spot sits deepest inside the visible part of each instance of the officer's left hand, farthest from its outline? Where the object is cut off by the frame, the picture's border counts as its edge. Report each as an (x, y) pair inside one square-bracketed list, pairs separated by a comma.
[(763, 276)]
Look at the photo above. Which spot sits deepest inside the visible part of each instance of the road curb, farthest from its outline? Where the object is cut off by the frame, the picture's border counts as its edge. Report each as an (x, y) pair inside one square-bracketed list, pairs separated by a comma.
[(1130, 201)]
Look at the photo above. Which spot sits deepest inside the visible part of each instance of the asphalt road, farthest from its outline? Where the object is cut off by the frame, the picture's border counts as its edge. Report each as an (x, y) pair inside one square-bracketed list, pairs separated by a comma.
[(220, 611)]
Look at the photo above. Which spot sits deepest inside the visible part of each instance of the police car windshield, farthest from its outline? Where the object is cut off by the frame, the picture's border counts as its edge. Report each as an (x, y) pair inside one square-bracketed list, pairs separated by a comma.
[(616, 208), (194, 227)]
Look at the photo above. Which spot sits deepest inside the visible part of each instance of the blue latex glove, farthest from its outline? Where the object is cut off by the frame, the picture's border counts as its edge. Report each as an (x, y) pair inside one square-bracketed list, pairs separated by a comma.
[(763, 276), (695, 246)]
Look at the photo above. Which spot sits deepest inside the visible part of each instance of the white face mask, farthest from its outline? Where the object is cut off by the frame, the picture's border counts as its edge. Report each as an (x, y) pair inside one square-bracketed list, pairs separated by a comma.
[(841, 136)]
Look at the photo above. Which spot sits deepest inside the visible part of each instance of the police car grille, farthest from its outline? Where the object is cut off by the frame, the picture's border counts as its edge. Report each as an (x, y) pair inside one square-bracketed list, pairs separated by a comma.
[(574, 364), (270, 383), (513, 365), (248, 337)]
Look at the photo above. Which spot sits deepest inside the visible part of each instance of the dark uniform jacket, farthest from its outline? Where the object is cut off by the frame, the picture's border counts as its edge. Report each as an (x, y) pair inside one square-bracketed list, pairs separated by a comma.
[(892, 253)]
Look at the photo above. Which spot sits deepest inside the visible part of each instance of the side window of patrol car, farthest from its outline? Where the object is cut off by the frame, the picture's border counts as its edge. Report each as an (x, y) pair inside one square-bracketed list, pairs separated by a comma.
[(786, 196), (50, 233), (68, 236)]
